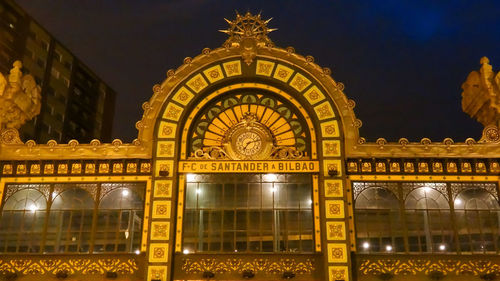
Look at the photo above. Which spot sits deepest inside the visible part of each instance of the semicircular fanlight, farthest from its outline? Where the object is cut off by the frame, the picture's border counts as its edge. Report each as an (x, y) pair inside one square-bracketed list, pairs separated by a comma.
[(280, 118)]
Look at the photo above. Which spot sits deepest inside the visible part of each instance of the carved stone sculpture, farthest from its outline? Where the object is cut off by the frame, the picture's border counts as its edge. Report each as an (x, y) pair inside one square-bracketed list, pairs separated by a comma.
[(20, 98), (481, 99)]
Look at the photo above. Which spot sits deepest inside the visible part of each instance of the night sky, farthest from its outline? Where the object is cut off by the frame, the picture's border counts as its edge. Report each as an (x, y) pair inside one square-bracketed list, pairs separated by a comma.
[(403, 62)]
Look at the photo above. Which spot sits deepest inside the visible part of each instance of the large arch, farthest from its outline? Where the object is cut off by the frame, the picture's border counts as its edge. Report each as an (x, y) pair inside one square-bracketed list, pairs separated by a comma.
[(251, 63)]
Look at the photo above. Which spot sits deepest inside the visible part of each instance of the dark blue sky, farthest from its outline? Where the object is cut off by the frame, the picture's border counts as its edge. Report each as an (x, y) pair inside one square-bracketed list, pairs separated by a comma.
[(403, 62)]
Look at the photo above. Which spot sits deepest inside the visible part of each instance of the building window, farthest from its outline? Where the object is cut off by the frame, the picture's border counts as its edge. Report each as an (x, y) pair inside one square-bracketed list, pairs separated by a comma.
[(23, 218), (72, 218), (55, 73), (477, 218), (418, 218), (248, 213)]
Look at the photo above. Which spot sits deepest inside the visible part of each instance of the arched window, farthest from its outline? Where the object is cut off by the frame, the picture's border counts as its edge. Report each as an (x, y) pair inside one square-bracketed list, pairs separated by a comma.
[(119, 218), (70, 221), (378, 221), (428, 220), (476, 212), (22, 221)]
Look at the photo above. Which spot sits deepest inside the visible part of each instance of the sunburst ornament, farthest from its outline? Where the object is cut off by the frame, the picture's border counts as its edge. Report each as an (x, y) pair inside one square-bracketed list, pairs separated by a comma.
[(248, 26)]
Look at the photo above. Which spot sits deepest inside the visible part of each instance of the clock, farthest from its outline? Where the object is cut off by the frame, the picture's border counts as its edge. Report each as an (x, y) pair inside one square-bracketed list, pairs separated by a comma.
[(248, 140)]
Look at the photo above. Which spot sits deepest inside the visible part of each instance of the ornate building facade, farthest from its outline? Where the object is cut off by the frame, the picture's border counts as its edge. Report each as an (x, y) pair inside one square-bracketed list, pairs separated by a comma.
[(249, 165)]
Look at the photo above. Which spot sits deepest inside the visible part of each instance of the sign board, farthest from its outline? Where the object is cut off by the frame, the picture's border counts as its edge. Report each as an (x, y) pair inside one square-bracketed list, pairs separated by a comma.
[(248, 166)]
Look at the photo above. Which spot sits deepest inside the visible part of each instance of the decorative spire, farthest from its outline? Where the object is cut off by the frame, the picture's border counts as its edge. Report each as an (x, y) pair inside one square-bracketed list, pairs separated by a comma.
[(248, 26), (248, 32)]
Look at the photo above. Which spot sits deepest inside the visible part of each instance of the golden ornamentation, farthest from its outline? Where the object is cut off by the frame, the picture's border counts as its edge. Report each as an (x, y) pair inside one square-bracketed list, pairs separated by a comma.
[(162, 189), (283, 73), (160, 230), (300, 82), (338, 273), (165, 149), (161, 209), (324, 111), (173, 112), (337, 252), (335, 230), (35, 169), (76, 168), (466, 167), (380, 167), (333, 188), (416, 266), (21, 169), (334, 209), (183, 96), (20, 99), (331, 148), (268, 266), (366, 167), (249, 140), (232, 68), (409, 167), (51, 265), (214, 73), (423, 167), (117, 168), (145, 167), (314, 95), (197, 83), (451, 167), (481, 96), (131, 167), (264, 67)]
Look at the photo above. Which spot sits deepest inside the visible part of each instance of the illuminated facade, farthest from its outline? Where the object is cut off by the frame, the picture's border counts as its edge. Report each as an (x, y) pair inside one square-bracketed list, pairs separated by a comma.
[(249, 165)]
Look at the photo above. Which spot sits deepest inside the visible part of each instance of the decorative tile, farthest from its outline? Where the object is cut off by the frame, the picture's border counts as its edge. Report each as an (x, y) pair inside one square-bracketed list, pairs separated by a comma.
[(264, 67), (331, 148), (165, 149), (183, 96), (330, 129), (300, 82), (232, 68), (451, 167), (352, 167), (89, 168), (165, 167), (62, 169), (162, 189), (76, 168), (283, 73), (117, 168), (334, 209), (314, 95), (409, 167), (214, 73), (437, 167), (21, 169), (7, 169), (197, 83), (145, 167), (335, 230), (380, 167), (172, 112), (35, 169), (423, 167), (394, 168), (48, 169), (167, 130), (160, 230), (337, 253), (336, 273), (466, 167), (157, 273), (366, 167), (161, 209), (334, 165), (104, 168), (131, 168), (324, 111), (333, 188), (158, 252)]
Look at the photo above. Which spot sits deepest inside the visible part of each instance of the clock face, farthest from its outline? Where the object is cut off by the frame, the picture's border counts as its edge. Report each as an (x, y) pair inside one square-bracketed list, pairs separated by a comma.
[(249, 142)]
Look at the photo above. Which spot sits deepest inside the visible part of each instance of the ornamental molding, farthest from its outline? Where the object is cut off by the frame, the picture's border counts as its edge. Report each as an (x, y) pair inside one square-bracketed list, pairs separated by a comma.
[(37, 265), (238, 265), (447, 265)]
